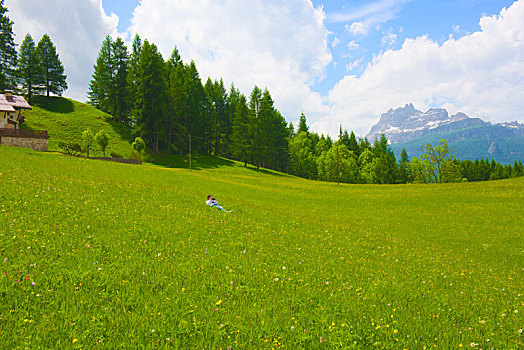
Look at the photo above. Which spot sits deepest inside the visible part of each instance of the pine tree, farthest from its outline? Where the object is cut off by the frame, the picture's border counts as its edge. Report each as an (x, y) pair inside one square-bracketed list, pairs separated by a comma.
[(150, 95), (52, 78), (175, 100), (290, 130), (255, 100), (100, 88), (386, 168), (273, 144), (363, 145), (353, 145), (302, 124), (281, 142), (119, 65), (28, 66), (404, 167), (194, 119), (108, 86), (8, 56), (242, 130), (322, 145), (265, 117), (344, 137), (133, 78)]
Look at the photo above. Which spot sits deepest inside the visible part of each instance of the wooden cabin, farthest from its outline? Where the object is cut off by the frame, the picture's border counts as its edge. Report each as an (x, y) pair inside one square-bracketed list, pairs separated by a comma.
[(10, 110)]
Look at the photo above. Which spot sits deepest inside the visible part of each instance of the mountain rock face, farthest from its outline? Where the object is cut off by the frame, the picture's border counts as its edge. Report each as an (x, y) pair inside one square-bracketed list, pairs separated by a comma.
[(471, 137)]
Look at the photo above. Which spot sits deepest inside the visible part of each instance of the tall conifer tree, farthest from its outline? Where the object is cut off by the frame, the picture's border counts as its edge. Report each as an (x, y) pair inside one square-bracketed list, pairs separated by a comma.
[(52, 78), (28, 66), (195, 121), (302, 124), (173, 97), (100, 88), (404, 167), (241, 131), (119, 65), (133, 77), (255, 100), (8, 56), (151, 95)]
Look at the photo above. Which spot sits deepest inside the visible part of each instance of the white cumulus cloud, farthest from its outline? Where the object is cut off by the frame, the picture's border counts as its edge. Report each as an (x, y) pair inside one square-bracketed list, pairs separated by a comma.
[(281, 45), (77, 29), (480, 74), (358, 28)]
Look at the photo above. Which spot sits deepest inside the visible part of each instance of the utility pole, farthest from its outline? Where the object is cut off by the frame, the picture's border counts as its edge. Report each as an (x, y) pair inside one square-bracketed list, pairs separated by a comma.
[(338, 166), (338, 171), (189, 152)]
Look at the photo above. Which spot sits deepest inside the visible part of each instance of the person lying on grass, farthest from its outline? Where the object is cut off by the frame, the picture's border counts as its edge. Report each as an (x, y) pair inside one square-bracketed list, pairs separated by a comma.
[(213, 203)]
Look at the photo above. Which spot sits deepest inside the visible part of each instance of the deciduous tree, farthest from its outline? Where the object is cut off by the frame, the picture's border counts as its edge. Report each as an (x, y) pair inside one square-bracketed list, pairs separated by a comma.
[(338, 158), (88, 139), (302, 161), (102, 138), (139, 145), (437, 157)]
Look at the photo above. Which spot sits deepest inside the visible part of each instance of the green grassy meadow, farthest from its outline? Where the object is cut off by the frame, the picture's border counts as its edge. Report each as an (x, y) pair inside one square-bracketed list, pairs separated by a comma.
[(96, 254), (66, 119)]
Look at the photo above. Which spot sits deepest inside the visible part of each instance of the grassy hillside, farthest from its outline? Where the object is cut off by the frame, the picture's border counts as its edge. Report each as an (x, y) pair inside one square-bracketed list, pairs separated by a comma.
[(66, 119), (95, 254)]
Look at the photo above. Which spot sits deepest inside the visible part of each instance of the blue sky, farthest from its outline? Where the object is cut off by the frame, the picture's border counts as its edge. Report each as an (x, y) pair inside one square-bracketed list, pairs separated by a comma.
[(394, 23), (337, 61), (391, 23)]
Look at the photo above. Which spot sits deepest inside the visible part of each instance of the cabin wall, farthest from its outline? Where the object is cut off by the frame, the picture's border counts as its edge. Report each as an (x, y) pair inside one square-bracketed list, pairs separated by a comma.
[(5, 117), (33, 143)]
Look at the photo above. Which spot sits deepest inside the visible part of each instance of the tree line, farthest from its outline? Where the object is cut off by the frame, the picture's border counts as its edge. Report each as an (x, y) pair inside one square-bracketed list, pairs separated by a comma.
[(34, 69), (350, 160), (165, 101)]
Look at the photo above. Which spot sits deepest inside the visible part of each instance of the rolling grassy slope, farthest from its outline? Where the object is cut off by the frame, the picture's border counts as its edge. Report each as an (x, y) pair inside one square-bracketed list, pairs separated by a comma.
[(112, 255), (66, 119)]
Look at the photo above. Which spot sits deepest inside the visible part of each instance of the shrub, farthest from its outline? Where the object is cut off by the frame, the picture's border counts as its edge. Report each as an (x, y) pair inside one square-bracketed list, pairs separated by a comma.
[(73, 149), (116, 155)]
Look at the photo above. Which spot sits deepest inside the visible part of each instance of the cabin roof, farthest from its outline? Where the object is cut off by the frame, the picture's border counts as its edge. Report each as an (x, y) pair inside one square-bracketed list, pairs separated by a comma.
[(12, 103)]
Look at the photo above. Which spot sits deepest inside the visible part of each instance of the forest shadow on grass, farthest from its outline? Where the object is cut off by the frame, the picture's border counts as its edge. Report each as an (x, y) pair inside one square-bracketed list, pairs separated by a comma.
[(204, 161), (124, 131), (265, 171), (198, 161), (53, 104)]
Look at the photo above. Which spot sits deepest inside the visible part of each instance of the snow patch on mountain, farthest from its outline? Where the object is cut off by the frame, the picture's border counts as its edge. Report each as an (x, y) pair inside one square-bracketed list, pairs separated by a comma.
[(407, 123)]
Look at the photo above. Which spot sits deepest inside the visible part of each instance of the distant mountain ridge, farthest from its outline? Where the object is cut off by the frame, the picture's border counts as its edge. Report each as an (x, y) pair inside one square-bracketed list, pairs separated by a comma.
[(472, 137)]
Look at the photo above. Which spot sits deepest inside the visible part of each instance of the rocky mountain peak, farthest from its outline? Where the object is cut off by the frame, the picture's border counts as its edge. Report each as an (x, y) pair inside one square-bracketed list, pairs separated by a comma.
[(407, 122)]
